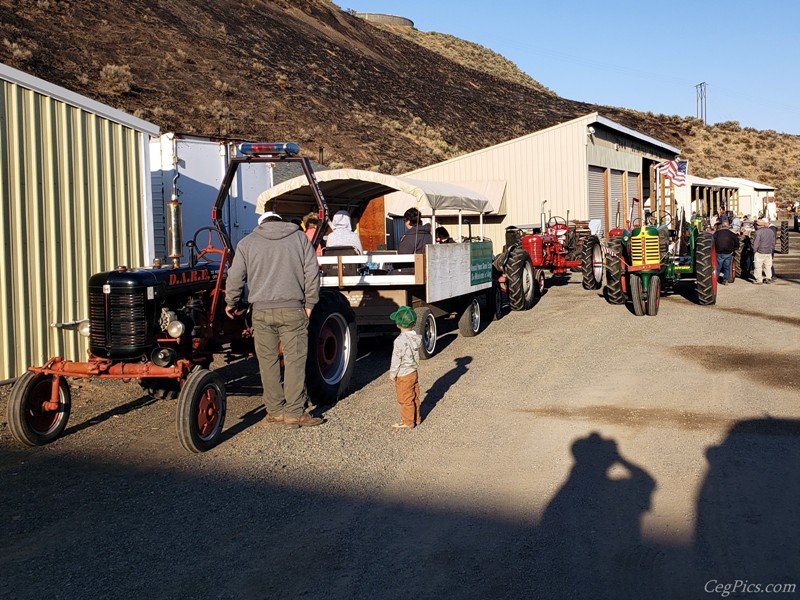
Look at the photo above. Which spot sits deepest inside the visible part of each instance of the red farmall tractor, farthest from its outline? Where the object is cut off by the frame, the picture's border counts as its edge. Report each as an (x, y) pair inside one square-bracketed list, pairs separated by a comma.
[(162, 325), (556, 248)]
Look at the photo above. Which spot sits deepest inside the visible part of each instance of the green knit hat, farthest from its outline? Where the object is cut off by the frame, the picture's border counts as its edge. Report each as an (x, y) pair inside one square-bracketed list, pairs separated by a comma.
[(404, 316)]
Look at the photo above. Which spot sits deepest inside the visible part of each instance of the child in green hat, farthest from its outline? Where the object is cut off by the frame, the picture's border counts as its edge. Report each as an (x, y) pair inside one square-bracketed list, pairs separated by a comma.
[(403, 369)]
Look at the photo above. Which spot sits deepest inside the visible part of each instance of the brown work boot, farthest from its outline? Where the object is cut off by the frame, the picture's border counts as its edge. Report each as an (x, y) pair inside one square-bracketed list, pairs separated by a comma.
[(273, 419), (304, 420)]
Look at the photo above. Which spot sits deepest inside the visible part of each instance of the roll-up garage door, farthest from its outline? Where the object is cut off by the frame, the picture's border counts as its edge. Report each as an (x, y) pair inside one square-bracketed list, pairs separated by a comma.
[(633, 192), (616, 206), (597, 195)]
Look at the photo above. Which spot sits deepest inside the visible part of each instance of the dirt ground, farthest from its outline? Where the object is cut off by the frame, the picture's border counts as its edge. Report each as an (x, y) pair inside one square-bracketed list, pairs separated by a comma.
[(571, 451)]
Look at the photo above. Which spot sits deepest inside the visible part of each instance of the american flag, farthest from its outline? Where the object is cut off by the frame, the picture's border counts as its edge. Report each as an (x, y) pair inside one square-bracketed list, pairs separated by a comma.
[(674, 170)]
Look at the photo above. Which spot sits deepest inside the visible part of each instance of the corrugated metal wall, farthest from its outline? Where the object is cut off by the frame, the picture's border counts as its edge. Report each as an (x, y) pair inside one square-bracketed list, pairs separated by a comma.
[(546, 165), (71, 184)]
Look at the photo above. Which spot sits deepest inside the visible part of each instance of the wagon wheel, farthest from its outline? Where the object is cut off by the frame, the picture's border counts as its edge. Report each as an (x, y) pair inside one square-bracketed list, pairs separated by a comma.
[(469, 322), (201, 410), (425, 327), (32, 418)]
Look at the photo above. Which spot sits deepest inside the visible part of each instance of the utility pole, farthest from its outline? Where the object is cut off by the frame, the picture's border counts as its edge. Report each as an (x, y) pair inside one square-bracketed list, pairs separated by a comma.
[(700, 88)]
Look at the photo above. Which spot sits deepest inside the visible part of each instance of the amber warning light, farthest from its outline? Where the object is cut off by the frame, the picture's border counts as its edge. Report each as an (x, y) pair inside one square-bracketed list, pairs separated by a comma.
[(261, 148)]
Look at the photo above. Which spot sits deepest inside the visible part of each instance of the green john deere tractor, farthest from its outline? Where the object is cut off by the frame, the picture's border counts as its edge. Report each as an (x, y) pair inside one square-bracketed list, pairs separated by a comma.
[(652, 258)]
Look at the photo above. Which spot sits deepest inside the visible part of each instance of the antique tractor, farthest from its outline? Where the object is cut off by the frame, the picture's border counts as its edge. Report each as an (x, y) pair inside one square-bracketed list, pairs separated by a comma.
[(651, 259), (557, 247), (163, 324)]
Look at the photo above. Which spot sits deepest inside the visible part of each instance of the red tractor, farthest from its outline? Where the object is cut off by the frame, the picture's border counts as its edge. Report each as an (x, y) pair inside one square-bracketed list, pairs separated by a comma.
[(556, 248), (162, 325)]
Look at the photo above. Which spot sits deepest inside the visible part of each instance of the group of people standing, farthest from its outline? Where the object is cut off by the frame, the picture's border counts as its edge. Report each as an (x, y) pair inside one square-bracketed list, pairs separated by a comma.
[(757, 239)]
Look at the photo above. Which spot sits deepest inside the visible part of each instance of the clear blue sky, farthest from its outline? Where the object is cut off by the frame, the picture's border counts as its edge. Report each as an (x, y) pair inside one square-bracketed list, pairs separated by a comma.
[(637, 54)]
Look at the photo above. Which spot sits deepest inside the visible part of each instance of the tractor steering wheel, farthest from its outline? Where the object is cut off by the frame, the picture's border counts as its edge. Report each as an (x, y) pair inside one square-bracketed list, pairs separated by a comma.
[(205, 251), (637, 222), (556, 221), (664, 218), (558, 225)]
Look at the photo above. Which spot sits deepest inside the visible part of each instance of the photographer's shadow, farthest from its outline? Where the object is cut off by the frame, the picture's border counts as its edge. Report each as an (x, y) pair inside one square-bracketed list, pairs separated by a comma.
[(589, 538)]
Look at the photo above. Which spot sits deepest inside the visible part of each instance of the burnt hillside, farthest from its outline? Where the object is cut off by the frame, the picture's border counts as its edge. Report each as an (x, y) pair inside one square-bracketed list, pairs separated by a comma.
[(307, 71)]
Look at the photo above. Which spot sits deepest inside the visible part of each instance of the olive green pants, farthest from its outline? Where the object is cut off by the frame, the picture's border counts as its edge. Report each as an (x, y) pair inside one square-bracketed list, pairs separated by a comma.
[(274, 328)]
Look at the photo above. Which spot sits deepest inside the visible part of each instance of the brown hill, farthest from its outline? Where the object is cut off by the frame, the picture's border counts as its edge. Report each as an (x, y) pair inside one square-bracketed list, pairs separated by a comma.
[(305, 70)]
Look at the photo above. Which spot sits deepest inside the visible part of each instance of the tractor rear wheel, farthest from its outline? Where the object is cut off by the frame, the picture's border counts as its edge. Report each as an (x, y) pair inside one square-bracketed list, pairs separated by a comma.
[(784, 237), (653, 296), (425, 327), (705, 269), (33, 421), (519, 271), (332, 348), (592, 263), (613, 269), (201, 410), (637, 295), (469, 322)]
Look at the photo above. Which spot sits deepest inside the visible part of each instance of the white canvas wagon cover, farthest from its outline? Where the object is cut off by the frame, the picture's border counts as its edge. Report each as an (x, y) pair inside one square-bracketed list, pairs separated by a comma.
[(350, 188)]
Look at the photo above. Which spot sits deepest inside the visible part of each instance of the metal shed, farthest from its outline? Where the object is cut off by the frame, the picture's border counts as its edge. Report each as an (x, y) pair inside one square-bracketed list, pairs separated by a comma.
[(74, 179), (753, 196), (587, 168), (706, 196)]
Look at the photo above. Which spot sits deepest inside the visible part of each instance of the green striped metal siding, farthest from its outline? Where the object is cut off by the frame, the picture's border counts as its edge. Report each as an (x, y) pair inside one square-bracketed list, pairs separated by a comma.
[(72, 206)]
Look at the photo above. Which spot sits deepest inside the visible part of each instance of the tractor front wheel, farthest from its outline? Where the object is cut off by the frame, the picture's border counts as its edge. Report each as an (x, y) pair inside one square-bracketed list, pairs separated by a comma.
[(613, 268), (637, 295), (201, 411), (653, 296), (32, 418), (519, 271), (705, 267), (592, 263)]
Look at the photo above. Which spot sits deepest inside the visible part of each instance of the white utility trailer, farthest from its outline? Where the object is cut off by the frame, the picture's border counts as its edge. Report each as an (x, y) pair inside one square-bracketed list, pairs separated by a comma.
[(446, 280), (193, 167)]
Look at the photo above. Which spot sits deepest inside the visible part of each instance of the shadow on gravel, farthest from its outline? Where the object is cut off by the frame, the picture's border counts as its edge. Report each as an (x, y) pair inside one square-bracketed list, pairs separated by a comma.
[(747, 519), (717, 359), (439, 388), (117, 411), (794, 321), (117, 529)]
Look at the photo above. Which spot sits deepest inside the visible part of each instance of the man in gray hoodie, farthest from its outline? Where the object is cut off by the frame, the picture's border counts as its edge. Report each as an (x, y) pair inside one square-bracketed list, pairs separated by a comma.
[(282, 274)]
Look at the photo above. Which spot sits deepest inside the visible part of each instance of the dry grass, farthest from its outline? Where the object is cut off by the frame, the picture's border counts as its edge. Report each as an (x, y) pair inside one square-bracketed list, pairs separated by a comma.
[(115, 80)]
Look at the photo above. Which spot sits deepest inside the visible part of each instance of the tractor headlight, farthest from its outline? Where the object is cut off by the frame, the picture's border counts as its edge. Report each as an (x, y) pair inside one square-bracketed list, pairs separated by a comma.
[(84, 328), (176, 329)]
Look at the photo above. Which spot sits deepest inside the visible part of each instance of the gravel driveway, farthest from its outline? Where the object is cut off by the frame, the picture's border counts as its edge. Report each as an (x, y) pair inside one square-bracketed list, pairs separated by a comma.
[(571, 451)]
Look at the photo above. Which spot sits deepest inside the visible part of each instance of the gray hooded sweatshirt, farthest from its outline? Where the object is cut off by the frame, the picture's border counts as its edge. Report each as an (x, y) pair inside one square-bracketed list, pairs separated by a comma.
[(280, 267), (343, 234)]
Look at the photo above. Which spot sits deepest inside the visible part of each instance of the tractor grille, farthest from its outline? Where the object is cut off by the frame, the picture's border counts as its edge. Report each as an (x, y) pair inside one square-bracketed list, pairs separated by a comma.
[(122, 324), (645, 249)]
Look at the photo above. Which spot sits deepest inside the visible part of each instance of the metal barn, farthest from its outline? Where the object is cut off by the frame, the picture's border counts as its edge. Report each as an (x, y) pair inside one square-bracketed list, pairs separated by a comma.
[(74, 180), (587, 168)]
